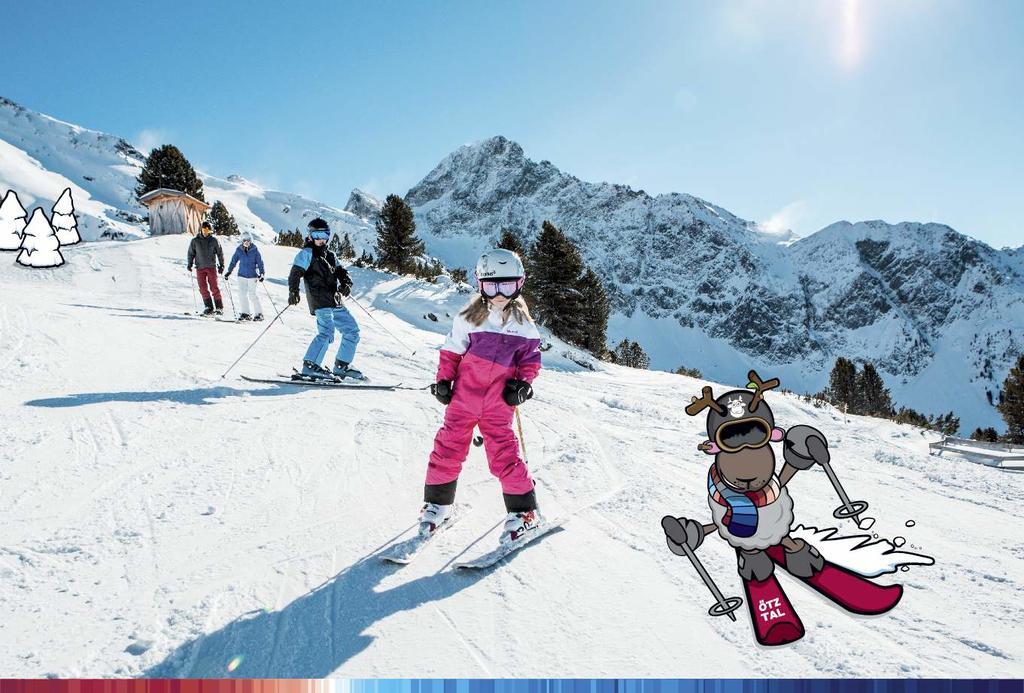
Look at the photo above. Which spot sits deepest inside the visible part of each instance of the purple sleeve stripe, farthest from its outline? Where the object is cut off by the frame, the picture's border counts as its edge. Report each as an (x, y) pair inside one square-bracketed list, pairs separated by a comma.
[(499, 348)]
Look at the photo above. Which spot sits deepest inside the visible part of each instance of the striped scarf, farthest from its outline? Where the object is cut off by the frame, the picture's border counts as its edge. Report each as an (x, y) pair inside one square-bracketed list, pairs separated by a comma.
[(741, 516)]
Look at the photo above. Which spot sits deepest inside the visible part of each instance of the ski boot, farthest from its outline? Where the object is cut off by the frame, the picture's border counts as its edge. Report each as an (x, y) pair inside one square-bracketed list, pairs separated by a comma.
[(209, 307), (311, 369), (341, 370), (244, 317), (258, 317), (805, 561), (754, 565), (218, 307), (519, 525), (433, 516)]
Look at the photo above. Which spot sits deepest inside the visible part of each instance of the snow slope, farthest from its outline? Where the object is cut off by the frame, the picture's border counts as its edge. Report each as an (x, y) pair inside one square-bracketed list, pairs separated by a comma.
[(158, 520), (40, 156)]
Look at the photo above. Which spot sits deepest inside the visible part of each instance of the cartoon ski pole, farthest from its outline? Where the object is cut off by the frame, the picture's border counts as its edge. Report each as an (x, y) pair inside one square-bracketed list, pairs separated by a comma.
[(723, 606), (806, 445)]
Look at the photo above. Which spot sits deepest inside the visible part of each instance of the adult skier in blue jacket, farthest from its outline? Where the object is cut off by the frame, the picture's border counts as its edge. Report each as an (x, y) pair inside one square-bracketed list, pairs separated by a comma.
[(250, 271), (326, 282)]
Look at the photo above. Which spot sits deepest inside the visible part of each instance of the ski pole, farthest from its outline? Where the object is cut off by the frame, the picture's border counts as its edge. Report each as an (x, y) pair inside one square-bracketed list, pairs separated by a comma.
[(522, 440), (271, 324), (353, 300), (192, 283), (849, 509), (227, 285), (272, 304), (723, 606)]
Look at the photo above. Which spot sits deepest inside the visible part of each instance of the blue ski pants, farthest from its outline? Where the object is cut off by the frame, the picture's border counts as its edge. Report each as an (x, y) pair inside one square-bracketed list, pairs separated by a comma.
[(327, 321)]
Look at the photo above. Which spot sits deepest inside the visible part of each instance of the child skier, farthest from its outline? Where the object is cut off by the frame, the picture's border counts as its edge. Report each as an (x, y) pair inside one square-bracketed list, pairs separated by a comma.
[(250, 271), (326, 282), (486, 366), (205, 253)]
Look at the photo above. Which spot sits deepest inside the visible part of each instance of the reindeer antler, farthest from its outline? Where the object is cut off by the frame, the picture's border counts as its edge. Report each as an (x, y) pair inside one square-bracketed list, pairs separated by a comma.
[(762, 387), (706, 401)]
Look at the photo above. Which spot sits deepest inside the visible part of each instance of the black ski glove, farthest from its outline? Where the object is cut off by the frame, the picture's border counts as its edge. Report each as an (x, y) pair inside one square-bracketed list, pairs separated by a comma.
[(293, 298), (516, 392), (260, 277), (344, 281), (227, 276), (220, 270), (442, 390)]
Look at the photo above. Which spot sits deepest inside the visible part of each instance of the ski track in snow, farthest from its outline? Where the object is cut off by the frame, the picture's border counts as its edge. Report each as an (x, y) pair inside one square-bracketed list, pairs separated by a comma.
[(177, 521)]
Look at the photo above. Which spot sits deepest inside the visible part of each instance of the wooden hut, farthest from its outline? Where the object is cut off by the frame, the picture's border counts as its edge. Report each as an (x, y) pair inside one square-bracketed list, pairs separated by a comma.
[(172, 211)]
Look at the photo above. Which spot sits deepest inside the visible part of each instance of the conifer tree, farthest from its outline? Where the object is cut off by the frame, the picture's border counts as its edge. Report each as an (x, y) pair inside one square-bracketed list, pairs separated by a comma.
[(872, 397), (556, 266), (1012, 403), (62, 217), (594, 313), (223, 223), (510, 241), (13, 220), (346, 250), (630, 354), (397, 243), (842, 386), (987, 435), (167, 167), (39, 245)]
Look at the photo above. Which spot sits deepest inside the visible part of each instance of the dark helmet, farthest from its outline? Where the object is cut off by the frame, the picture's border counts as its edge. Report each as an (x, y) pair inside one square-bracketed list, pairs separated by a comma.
[(739, 418), (740, 427), (318, 230)]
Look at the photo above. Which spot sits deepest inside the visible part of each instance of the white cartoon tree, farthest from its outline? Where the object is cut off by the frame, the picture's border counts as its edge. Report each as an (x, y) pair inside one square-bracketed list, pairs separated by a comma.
[(64, 221), (39, 246), (12, 222)]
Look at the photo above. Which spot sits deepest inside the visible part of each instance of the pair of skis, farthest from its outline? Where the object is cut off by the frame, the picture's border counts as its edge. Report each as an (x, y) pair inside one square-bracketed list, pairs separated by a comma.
[(405, 551), (328, 383), (775, 620)]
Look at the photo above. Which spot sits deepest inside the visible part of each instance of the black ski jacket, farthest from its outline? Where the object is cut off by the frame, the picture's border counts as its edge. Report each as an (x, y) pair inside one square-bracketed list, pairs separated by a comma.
[(205, 251), (323, 275)]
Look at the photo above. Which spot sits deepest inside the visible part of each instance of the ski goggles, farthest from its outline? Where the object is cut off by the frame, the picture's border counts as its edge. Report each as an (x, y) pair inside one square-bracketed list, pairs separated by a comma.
[(733, 436), (509, 288), (319, 235)]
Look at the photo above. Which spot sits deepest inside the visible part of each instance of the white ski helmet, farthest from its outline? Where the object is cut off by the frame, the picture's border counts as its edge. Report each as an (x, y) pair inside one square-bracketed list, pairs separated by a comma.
[(499, 264)]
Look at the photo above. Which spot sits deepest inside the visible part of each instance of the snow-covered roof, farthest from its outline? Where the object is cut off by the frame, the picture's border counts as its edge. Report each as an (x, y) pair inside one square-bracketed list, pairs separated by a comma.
[(154, 195)]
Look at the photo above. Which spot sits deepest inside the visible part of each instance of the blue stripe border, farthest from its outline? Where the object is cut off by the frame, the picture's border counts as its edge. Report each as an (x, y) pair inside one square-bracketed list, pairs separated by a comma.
[(688, 686)]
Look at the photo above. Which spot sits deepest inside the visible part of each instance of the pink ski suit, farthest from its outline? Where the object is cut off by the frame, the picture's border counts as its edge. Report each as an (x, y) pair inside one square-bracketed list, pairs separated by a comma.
[(480, 360)]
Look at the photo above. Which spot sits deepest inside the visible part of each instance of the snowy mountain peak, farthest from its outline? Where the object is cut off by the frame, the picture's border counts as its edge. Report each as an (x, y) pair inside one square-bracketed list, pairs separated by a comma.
[(363, 204), (697, 285)]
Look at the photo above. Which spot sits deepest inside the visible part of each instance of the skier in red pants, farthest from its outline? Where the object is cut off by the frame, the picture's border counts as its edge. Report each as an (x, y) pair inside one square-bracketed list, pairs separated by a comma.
[(206, 254)]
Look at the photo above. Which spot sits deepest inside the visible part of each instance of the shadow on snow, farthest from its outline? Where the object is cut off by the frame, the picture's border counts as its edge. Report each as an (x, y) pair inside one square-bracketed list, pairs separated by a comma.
[(317, 633), (200, 396)]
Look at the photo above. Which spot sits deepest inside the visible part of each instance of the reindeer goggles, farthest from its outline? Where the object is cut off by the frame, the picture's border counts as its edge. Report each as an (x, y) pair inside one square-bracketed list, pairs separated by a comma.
[(751, 432), (509, 288)]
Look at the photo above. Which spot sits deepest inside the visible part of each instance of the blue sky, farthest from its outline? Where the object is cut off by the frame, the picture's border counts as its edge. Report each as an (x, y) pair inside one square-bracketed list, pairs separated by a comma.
[(794, 113)]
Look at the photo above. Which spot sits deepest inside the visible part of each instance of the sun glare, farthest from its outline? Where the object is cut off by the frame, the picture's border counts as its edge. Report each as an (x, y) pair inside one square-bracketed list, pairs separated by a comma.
[(851, 41)]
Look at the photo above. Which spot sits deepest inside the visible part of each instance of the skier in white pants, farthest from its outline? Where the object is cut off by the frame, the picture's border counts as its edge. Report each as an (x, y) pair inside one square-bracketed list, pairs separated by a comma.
[(250, 271)]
